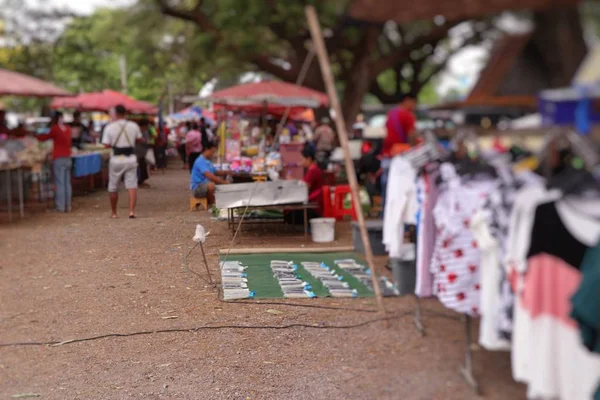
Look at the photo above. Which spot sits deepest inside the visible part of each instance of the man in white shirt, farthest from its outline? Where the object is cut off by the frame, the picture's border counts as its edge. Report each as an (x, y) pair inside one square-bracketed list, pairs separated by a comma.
[(121, 135)]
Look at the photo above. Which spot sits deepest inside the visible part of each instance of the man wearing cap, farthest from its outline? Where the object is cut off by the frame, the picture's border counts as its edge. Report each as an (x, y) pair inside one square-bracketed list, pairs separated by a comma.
[(400, 125)]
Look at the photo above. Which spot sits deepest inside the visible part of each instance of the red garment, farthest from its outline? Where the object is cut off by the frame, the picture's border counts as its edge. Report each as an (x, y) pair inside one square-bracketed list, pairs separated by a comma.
[(400, 122), (62, 141), (314, 180)]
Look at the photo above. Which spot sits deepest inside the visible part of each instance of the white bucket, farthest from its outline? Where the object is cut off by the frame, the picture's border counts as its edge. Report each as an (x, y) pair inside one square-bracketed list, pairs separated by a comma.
[(323, 230)]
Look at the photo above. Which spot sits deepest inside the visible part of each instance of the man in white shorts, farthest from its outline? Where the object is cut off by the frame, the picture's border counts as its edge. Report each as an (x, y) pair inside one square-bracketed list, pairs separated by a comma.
[(121, 135)]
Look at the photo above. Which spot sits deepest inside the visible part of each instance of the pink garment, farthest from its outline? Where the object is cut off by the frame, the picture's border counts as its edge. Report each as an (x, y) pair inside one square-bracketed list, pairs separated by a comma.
[(193, 142), (551, 357), (428, 192), (549, 285)]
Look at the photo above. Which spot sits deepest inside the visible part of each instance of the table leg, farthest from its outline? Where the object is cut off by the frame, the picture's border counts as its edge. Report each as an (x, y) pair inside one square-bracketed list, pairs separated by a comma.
[(21, 194), (8, 195), (233, 222), (305, 225)]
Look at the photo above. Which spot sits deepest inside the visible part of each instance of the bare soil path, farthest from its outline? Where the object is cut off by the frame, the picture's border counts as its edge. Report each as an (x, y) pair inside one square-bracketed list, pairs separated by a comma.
[(83, 274)]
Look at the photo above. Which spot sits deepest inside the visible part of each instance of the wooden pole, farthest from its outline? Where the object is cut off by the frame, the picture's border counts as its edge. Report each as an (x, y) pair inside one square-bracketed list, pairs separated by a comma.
[(319, 44), (291, 250)]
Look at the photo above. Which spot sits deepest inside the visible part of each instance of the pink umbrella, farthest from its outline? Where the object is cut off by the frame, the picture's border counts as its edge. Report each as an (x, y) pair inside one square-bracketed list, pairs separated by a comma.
[(17, 84), (104, 101)]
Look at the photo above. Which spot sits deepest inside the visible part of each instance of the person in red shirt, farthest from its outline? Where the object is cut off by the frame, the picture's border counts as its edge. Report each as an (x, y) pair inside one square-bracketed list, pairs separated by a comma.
[(60, 133), (400, 125), (313, 178)]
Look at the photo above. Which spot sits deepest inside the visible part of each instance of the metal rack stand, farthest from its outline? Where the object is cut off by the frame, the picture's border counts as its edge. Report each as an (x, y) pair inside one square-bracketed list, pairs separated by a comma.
[(466, 370)]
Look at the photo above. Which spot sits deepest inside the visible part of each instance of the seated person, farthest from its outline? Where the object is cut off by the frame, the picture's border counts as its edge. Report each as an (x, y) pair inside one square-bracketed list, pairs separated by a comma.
[(205, 176), (313, 178)]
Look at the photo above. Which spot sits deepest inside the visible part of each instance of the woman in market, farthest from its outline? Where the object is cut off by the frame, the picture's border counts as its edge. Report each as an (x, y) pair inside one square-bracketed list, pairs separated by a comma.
[(60, 133), (313, 178), (194, 144)]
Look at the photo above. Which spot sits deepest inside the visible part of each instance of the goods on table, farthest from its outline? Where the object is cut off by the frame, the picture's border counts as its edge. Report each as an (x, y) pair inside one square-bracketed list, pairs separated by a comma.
[(23, 152), (272, 162), (241, 164), (251, 151)]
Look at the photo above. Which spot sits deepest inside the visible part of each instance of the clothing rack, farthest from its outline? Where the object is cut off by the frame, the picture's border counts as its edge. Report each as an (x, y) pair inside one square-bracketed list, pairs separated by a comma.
[(418, 158), (466, 370)]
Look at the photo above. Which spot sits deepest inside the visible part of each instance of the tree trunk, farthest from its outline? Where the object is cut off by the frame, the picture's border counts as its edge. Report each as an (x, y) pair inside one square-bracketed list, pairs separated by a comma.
[(357, 87), (358, 80), (559, 37)]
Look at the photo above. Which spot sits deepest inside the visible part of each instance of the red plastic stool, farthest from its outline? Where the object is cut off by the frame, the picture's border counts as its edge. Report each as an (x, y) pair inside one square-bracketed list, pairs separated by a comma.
[(339, 211), (328, 210)]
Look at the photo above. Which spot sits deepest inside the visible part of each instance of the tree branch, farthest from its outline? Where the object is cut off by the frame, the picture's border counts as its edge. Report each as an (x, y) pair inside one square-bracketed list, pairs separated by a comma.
[(473, 39), (196, 15), (264, 63), (385, 98), (403, 53)]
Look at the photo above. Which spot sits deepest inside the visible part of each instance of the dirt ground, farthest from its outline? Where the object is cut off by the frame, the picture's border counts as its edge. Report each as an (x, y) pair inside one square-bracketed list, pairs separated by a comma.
[(79, 275)]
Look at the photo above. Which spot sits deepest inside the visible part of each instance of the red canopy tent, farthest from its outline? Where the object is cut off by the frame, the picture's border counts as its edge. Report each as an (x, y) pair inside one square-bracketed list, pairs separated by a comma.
[(295, 114), (277, 93), (104, 101), (17, 84)]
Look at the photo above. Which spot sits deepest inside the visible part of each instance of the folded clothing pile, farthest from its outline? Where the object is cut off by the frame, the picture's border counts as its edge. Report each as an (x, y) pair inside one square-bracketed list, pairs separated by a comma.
[(291, 285), (360, 272), (363, 274), (332, 281), (234, 281)]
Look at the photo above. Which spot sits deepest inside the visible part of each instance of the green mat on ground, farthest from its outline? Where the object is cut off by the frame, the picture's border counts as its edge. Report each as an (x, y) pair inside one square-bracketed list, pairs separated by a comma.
[(265, 285)]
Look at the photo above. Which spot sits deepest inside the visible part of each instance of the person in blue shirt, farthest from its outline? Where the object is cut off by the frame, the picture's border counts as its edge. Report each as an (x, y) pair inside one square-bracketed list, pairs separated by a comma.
[(205, 176)]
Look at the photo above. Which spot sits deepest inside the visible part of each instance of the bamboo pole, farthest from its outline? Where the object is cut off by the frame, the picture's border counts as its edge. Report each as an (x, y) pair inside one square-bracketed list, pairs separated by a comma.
[(319, 44)]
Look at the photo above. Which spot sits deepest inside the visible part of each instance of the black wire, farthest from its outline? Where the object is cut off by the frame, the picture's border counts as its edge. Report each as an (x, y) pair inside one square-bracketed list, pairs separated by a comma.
[(200, 328)]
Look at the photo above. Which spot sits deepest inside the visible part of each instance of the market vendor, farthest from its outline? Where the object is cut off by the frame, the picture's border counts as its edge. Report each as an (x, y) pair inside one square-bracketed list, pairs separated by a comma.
[(205, 176), (400, 126), (313, 178), (3, 127), (79, 131), (60, 133)]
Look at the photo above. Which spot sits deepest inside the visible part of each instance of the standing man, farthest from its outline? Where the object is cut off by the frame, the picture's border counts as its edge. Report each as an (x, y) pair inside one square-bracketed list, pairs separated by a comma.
[(122, 135), (400, 127), (324, 137)]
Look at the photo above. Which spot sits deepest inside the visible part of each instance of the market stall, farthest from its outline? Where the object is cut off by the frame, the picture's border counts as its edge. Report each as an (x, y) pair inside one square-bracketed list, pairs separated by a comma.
[(22, 161), (251, 147)]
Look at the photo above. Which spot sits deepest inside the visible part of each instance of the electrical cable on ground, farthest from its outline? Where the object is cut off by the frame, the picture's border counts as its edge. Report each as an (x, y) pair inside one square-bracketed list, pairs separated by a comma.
[(205, 327)]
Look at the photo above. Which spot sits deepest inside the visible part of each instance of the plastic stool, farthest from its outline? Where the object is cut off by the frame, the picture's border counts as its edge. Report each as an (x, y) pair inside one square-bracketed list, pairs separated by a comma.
[(328, 210), (195, 202), (339, 195)]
